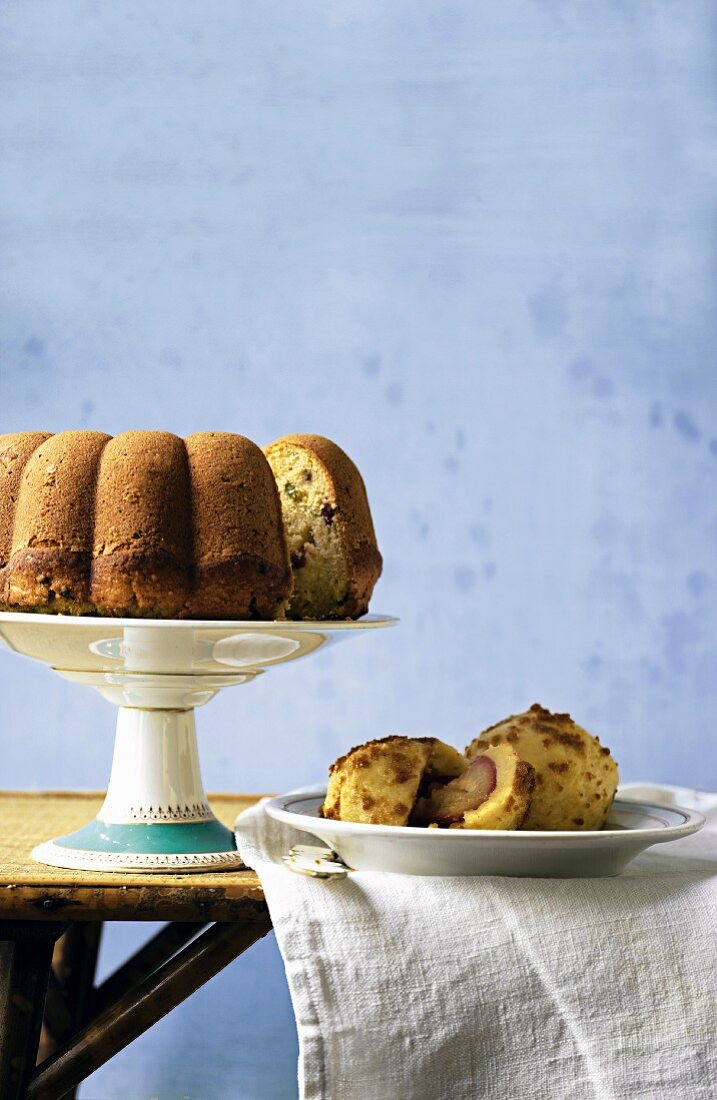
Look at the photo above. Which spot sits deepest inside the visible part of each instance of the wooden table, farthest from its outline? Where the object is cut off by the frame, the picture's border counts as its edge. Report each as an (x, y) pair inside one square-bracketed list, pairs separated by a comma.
[(56, 1026)]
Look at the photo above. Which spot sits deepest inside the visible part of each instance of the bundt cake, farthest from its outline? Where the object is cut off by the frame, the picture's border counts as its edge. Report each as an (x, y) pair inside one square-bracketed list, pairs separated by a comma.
[(334, 556), (147, 524)]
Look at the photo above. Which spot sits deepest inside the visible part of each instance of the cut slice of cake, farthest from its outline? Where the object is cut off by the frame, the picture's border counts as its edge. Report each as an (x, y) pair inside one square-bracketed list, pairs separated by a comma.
[(332, 544)]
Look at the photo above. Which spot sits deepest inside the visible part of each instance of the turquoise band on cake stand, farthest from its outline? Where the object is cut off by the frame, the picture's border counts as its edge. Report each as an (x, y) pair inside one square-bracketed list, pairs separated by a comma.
[(187, 846), (155, 817)]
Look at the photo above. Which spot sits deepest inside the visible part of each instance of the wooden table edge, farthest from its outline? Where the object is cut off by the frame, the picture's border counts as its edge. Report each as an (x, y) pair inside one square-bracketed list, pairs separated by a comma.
[(207, 896)]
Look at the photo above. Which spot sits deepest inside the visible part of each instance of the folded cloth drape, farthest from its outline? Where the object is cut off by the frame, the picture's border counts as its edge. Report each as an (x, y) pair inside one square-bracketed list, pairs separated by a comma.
[(410, 988)]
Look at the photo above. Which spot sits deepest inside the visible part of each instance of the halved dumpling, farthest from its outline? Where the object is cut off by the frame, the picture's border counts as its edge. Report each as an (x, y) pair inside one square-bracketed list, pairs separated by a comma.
[(493, 792), (576, 776), (378, 783)]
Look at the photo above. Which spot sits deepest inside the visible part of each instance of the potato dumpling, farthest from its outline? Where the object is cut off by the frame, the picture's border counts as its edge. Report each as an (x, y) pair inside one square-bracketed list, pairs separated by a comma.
[(377, 783), (575, 776)]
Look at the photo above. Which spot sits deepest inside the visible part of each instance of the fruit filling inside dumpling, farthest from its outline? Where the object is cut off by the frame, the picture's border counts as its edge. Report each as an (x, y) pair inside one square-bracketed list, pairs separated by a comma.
[(493, 792)]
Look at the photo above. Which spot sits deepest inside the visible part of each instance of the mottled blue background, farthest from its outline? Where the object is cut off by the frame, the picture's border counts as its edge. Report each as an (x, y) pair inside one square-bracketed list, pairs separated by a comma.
[(473, 242)]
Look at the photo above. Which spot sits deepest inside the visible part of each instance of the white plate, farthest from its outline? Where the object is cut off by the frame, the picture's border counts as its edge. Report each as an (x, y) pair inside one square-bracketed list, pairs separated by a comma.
[(632, 827)]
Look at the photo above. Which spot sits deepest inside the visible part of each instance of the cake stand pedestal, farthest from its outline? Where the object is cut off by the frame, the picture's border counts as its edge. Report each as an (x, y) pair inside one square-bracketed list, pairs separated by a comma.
[(155, 816)]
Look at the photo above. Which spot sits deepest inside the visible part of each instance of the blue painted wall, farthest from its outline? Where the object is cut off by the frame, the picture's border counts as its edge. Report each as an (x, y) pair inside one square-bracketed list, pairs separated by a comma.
[(470, 241)]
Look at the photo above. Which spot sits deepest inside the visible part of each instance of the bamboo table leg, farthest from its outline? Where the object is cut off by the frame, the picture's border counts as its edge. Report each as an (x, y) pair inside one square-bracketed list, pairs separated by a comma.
[(70, 987), (25, 959), (139, 1008), (144, 962)]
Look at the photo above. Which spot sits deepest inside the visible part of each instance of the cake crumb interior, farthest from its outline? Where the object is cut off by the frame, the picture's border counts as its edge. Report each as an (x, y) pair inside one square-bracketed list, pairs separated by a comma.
[(310, 513)]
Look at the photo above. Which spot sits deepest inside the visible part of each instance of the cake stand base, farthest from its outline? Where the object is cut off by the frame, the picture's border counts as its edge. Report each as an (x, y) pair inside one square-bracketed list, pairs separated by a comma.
[(155, 816), (99, 846)]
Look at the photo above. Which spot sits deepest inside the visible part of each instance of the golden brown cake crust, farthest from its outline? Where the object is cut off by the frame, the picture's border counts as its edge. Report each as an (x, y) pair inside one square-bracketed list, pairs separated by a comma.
[(142, 554), (350, 513), (241, 559), (142, 524), (15, 451), (51, 547)]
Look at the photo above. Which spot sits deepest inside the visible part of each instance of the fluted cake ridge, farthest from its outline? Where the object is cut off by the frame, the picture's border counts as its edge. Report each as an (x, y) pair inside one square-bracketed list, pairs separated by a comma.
[(149, 524)]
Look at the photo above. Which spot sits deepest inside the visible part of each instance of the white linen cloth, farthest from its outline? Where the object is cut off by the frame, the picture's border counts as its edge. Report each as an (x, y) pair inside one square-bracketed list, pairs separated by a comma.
[(409, 988)]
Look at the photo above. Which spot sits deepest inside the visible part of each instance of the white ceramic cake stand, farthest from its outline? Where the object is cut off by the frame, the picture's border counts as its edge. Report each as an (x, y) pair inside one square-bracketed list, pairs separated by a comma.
[(155, 816)]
